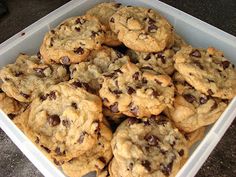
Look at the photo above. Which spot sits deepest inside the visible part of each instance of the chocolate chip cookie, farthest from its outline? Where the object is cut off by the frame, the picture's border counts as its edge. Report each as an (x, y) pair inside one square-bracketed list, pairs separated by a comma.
[(61, 122), (29, 76), (142, 29), (193, 109), (152, 147), (136, 92), (208, 71), (157, 60), (93, 160), (72, 40), (100, 62), (103, 12)]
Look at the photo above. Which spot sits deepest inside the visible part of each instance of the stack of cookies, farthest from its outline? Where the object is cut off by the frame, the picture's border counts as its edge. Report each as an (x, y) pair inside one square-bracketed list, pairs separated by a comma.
[(118, 92)]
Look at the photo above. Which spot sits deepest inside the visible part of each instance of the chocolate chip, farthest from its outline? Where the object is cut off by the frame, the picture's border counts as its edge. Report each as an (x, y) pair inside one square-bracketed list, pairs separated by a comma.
[(152, 140), (134, 60), (54, 120), (130, 166), (114, 108), (26, 96), (18, 73), (189, 98), (209, 80), (136, 76), (109, 75), (210, 92), (105, 100), (80, 21), (117, 5), (58, 151), (112, 20), (166, 169), (203, 100), (79, 50), (46, 149), (52, 95), (118, 71), (144, 80), (37, 140), (56, 162), (39, 71), (151, 21), (152, 28), (74, 105), (130, 90), (76, 84), (51, 42), (155, 93), (22, 34), (65, 60), (225, 64), (43, 97), (133, 120), (94, 34), (148, 57), (66, 123), (53, 31), (134, 110), (149, 10), (195, 53), (146, 164), (146, 67), (214, 106), (197, 63), (81, 138), (181, 152), (102, 159), (117, 92), (162, 120), (77, 29)]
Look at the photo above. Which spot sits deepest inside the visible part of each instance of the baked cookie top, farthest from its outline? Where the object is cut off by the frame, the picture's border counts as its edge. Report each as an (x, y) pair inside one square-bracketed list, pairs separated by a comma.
[(95, 159), (136, 92), (72, 40), (208, 71), (149, 148), (193, 109), (103, 12), (142, 29), (29, 76), (100, 62), (156, 60), (65, 121)]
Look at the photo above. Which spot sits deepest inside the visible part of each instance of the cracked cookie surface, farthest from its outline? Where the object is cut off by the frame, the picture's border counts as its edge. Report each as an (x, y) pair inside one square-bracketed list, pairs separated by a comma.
[(152, 147), (136, 92), (142, 29), (29, 76), (208, 71), (72, 40)]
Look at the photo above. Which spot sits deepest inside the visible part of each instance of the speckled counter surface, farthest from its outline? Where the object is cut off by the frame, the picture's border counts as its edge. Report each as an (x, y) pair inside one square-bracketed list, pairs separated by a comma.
[(220, 13)]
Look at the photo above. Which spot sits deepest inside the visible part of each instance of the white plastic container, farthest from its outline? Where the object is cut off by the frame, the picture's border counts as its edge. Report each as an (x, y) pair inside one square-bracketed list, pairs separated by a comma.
[(196, 32)]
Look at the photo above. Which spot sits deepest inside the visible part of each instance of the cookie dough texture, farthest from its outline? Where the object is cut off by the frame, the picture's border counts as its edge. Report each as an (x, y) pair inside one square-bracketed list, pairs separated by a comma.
[(100, 62), (72, 40), (136, 93), (148, 148), (208, 71), (142, 29), (95, 159), (193, 109), (29, 76), (103, 12), (60, 122)]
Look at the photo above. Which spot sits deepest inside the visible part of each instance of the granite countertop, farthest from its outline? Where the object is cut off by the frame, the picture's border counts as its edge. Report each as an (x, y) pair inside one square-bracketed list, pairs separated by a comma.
[(220, 13)]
